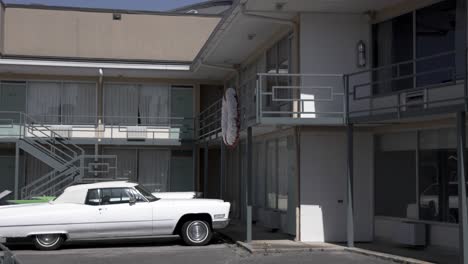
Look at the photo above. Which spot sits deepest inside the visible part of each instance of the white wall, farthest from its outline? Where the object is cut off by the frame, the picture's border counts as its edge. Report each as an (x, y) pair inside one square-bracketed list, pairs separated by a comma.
[(323, 186), (328, 44)]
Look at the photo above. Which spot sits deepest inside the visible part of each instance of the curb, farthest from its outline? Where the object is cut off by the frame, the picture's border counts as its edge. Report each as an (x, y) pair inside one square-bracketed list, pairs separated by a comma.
[(253, 250), (393, 258), (385, 256)]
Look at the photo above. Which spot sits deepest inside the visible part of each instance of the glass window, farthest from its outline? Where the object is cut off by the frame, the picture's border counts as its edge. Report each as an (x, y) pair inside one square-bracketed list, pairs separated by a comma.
[(147, 194), (278, 61), (393, 43), (438, 198), (92, 198), (271, 175), (115, 196), (395, 175), (435, 35), (283, 174)]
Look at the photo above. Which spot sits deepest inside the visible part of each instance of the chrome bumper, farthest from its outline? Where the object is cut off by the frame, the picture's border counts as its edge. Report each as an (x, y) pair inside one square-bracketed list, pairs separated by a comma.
[(220, 224)]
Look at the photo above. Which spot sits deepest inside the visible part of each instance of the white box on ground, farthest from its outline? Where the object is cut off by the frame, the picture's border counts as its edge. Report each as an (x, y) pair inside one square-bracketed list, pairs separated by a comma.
[(411, 233), (313, 231)]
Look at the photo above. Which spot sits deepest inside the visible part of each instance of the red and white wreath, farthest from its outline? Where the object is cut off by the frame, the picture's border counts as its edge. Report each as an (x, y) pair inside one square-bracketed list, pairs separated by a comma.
[(230, 124)]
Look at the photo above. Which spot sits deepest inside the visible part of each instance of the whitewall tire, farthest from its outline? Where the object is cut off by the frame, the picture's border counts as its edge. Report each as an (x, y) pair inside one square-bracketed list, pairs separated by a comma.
[(196, 233), (48, 241)]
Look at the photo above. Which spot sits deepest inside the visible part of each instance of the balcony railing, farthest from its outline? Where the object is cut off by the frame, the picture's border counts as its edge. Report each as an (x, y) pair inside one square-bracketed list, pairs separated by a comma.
[(102, 129), (282, 99), (432, 84), (285, 98), (209, 121)]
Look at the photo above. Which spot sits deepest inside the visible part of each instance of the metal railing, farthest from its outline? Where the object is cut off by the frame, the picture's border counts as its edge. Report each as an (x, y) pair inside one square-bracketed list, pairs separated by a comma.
[(95, 168), (300, 98), (98, 128), (6, 256), (405, 87), (209, 121)]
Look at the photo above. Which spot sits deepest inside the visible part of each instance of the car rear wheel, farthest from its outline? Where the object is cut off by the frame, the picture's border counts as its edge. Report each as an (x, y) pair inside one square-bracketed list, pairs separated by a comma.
[(48, 241), (196, 233)]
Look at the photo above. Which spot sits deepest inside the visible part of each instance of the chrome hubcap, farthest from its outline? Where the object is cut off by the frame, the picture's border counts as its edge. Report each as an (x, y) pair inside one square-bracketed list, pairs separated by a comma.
[(197, 231), (47, 240)]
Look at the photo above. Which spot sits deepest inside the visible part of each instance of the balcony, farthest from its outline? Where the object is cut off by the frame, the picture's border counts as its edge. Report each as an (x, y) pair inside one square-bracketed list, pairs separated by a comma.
[(299, 99), (103, 129), (285, 99), (423, 86)]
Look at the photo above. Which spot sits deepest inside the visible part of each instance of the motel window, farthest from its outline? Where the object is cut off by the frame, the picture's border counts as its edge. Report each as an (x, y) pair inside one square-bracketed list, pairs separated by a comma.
[(422, 166), (275, 163), (395, 169), (136, 104), (278, 60), (429, 36), (61, 102)]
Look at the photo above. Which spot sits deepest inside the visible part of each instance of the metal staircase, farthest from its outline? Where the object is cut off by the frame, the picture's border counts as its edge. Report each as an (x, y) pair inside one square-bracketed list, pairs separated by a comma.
[(64, 157)]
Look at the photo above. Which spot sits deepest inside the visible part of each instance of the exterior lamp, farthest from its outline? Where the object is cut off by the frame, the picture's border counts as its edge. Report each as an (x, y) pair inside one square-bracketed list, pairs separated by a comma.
[(361, 54)]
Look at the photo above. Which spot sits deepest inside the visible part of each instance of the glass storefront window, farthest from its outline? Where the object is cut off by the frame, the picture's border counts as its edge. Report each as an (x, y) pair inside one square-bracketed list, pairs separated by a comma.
[(395, 175), (438, 187)]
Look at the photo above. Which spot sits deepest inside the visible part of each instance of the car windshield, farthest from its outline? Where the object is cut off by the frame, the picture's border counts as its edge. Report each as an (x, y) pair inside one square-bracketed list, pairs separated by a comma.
[(147, 194)]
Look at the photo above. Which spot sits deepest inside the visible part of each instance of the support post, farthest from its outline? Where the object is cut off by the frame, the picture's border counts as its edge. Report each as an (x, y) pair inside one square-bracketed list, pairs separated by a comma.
[(205, 171), (248, 185), (195, 166), (462, 209), (222, 170), (350, 210), (17, 161)]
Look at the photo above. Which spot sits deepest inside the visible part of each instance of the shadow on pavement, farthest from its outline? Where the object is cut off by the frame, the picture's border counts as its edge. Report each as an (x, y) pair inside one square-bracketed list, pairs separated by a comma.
[(26, 244)]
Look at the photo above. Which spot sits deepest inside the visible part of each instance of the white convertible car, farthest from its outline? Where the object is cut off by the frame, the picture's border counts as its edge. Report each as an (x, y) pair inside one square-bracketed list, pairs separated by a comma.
[(113, 210)]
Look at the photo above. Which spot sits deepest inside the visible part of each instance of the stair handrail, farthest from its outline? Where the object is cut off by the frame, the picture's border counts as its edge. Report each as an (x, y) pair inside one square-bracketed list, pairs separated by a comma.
[(48, 151), (52, 135), (48, 175), (47, 187)]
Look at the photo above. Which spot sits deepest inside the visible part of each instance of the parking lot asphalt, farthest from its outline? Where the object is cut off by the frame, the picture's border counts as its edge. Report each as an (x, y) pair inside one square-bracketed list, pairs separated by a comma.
[(173, 251)]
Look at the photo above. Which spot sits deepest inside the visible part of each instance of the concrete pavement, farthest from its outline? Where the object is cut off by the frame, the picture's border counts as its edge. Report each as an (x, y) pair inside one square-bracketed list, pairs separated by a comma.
[(173, 251)]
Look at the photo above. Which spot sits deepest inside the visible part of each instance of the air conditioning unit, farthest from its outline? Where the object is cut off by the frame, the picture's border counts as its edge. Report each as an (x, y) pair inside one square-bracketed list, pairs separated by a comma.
[(413, 100), (136, 133), (64, 131), (411, 234)]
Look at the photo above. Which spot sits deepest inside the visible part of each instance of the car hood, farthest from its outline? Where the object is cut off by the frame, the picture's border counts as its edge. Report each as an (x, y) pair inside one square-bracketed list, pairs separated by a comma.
[(175, 195)]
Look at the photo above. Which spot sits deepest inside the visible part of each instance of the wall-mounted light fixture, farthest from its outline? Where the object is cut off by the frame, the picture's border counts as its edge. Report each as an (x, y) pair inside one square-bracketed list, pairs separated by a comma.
[(361, 54), (116, 16)]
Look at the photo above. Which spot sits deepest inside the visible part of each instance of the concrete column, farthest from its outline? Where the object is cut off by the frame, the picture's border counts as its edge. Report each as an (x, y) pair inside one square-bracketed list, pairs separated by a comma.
[(205, 171), (17, 161), (248, 185), (222, 170), (462, 210), (349, 187)]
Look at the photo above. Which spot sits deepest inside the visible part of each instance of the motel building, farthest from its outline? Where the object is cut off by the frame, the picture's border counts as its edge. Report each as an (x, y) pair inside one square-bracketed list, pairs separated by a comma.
[(351, 113)]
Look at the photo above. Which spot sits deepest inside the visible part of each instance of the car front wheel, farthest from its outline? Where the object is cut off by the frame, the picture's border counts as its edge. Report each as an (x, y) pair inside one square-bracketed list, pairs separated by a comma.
[(196, 233), (48, 241)]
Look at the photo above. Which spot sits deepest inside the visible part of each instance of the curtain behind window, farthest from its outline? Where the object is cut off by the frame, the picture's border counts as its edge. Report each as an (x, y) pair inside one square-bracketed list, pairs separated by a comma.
[(121, 104), (43, 101), (154, 102), (153, 169), (79, 103), (126, 162)]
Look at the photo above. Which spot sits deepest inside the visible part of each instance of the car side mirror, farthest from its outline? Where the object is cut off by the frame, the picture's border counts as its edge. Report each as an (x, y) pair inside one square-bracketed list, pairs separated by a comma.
[(132, 200)]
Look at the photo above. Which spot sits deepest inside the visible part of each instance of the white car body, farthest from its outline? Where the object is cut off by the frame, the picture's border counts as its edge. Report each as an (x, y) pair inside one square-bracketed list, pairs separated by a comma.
[(175, 195), (70, 216)]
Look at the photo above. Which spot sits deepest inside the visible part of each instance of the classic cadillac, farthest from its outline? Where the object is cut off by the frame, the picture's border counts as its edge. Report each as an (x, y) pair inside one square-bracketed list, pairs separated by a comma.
[(111, 210)]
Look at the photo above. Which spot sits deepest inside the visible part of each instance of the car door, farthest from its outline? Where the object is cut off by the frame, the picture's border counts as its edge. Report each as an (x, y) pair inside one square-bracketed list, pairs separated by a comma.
[(119, 217)]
